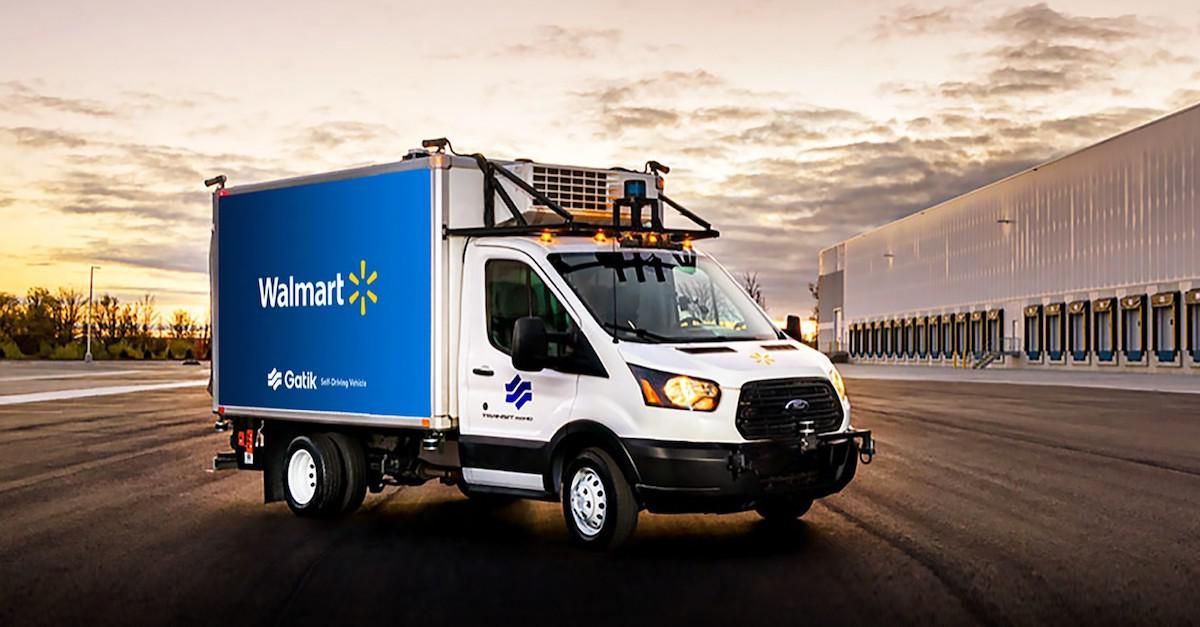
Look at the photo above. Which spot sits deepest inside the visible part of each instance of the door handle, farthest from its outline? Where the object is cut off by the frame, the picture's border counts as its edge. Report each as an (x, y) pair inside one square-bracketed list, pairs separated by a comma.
[(483, 371)]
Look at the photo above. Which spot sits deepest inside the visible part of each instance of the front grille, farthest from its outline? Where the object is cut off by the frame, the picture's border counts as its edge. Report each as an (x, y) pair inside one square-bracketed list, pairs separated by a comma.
[(761, 414), (573, 188)]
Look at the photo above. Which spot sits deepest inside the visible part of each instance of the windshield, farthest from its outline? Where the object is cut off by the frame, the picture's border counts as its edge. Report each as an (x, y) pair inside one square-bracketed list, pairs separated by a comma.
[(662, 296)]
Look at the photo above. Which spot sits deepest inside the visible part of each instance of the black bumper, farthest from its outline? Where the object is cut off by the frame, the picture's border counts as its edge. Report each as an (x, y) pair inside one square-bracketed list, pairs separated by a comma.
[(703, 477)]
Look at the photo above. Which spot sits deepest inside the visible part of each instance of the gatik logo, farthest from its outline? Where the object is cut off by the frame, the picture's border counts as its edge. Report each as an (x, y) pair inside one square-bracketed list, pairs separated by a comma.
[(291, 380), (518, 392)]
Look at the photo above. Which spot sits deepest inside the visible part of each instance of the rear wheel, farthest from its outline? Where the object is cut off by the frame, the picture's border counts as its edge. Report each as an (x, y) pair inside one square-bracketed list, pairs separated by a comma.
[(783, 509), (312, 476), (354, 472), (598, 503)]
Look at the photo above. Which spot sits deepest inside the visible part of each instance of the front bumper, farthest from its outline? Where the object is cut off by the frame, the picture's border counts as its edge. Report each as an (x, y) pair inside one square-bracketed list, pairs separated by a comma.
[(716, 477)]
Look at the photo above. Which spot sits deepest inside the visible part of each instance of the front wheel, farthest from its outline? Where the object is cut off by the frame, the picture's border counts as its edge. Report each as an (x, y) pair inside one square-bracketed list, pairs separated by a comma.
[(783, 509), (598, 502)]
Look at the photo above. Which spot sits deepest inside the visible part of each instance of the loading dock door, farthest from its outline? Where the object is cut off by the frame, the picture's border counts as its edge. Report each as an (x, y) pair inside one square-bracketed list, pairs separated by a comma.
[(1105, 326), (961, 338), (910, 337), (922, 333), (1055, 332), (978, 346), (1033, 332), (948, 335), (995, 330), (1166, 327), (1078, 327), (935, 337), (1133, 328), (1193, 317)]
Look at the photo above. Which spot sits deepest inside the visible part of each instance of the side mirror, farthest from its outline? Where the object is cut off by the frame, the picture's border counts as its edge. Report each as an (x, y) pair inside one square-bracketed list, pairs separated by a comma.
[(529, 345)]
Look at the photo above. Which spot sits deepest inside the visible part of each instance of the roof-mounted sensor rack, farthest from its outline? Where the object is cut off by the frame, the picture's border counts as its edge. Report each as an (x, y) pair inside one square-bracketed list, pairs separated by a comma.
[(635, 198)]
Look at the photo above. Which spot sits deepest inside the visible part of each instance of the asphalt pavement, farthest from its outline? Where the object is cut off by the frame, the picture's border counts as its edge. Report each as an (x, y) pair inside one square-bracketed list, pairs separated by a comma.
[(987, 504)]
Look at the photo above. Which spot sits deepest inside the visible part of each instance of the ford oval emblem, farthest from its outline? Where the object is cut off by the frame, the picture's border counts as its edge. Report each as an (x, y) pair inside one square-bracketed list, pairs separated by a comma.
[(796, 406)]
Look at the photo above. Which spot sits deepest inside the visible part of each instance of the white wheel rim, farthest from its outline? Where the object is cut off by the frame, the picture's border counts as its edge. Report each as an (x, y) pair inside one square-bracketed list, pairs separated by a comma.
[(302, 476), (589, 502)]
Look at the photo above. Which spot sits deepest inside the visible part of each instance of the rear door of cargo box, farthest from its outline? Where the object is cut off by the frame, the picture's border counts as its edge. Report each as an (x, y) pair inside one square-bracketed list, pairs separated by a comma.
[(323, 300)]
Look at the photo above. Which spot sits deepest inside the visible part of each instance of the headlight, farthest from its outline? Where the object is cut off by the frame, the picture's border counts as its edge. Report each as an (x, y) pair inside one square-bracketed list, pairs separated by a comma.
[(677, 391), (835, 378)]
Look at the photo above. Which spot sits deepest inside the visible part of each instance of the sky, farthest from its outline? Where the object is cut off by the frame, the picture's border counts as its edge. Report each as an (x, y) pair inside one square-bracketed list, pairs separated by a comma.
[(789, 125)]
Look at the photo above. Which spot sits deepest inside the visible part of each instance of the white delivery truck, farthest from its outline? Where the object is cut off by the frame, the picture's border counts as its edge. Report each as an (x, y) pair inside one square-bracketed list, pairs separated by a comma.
[(519, 329)]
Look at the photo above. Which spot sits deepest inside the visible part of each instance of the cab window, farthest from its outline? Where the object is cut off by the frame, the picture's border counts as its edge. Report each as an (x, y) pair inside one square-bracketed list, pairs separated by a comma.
[(513, 291)]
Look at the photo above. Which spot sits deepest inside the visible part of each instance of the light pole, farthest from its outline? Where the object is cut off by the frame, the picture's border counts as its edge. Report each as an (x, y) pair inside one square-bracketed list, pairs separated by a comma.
[(87, 356)]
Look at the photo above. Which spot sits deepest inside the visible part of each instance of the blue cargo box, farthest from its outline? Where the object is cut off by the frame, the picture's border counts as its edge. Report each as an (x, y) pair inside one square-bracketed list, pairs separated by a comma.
[(322, 303)]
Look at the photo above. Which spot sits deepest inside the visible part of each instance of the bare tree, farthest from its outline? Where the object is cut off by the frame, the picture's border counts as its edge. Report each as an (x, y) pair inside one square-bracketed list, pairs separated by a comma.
[(754, 288), (108, 317), (813, 290), (182, 325), (127, 321), (147, 320), (68, 308)]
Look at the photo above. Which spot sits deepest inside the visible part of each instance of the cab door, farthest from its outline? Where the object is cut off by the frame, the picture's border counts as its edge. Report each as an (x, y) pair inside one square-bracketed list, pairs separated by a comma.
[(508, 416)]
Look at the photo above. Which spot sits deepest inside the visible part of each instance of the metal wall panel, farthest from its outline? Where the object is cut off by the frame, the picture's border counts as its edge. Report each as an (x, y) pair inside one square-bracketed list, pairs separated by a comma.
[(1121, 214)]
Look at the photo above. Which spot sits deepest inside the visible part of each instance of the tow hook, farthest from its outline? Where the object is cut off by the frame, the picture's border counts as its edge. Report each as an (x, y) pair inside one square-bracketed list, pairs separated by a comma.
[(737, 464), (808, 439), (866, 453)]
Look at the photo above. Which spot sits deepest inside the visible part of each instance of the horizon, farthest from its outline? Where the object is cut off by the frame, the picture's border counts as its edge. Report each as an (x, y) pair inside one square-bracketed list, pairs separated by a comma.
[(789, 145)]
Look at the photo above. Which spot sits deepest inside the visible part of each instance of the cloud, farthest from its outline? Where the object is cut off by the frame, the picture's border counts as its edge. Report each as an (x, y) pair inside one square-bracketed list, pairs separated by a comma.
[(565, 42), (910, 20), (618, 118), (1040, 22), (171, 256), (21, 97), (615, 92), (330, 135), (83, 192), (1042, 52), (1183, 98), (43, 137)]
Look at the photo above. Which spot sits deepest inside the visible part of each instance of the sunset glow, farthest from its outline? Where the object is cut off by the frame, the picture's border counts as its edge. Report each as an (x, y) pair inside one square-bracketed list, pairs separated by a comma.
[(789, 125)]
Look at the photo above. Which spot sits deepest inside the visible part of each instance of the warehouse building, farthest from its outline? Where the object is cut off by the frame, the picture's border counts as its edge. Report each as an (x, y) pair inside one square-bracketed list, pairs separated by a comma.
[(1089, 262)]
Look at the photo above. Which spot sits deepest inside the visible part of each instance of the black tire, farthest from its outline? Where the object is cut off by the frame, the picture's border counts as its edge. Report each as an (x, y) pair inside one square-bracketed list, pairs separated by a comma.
[(616, 500), (783, 509), (354, 471), (325, 476)]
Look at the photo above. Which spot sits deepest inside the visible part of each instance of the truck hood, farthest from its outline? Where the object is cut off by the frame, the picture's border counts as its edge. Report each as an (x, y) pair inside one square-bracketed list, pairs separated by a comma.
[(730, 364)]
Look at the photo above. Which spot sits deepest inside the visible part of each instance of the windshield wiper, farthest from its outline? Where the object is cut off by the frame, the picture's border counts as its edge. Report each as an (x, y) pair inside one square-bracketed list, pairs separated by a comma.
[(641, 333)]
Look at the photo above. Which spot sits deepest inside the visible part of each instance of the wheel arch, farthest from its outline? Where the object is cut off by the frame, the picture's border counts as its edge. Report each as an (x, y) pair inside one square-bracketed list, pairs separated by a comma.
[(575, 436)]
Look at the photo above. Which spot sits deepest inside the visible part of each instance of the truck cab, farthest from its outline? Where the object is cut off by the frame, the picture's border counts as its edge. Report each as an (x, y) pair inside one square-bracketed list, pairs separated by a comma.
[(580, 349)]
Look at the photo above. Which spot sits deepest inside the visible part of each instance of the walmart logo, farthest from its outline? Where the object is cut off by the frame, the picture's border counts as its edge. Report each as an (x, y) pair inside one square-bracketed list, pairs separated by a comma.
[(274, 379), (363, 282), (276, 293), (518, 392)]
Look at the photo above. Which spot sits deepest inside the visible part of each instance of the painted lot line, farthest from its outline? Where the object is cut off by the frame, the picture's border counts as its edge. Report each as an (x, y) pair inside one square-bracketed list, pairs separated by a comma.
[(38, 397), (65, 375)]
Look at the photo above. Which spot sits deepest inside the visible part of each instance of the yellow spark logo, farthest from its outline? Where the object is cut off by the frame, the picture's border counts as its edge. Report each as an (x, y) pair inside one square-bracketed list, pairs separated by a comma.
[(764, 359), (362, 280)]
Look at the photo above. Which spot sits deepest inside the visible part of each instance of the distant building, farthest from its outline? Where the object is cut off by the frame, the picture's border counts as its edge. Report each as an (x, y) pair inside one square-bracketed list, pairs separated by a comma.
[(1091, 261)]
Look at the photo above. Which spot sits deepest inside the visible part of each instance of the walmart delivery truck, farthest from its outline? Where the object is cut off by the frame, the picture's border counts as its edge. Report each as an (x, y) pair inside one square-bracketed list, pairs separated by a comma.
[(518, 329)]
